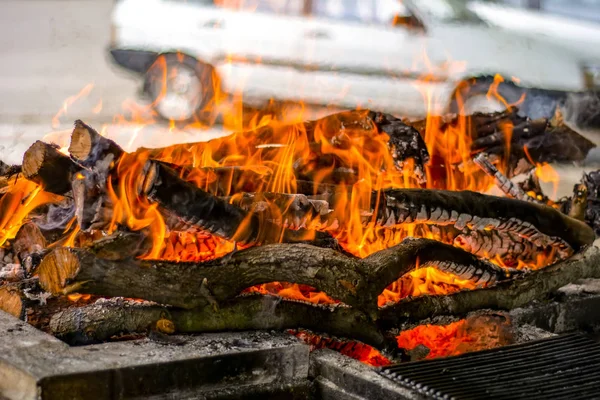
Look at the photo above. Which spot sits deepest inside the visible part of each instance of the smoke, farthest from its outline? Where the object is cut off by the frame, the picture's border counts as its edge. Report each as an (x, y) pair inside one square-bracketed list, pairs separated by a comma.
[(57, 217)]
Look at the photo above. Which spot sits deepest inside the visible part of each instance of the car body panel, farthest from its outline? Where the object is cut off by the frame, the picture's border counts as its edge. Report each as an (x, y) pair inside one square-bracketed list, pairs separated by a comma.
[(575, 34)]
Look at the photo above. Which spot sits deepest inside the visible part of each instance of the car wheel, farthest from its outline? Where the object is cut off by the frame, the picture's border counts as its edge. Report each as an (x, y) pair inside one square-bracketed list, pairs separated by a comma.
[(181, 88), (470, 96)]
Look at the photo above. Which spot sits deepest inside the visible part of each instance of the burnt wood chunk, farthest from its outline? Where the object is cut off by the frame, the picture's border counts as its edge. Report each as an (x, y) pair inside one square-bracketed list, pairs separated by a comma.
[(45, 165), (339, 130)]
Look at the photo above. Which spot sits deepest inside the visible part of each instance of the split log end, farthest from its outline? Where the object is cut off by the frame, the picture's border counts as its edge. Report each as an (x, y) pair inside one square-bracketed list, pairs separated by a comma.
[(81, 141), (11, 301), (57, 269), (45, 165)]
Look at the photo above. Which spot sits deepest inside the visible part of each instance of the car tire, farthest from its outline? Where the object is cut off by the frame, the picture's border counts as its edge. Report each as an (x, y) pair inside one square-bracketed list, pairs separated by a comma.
[(181, 88), (471, 96)]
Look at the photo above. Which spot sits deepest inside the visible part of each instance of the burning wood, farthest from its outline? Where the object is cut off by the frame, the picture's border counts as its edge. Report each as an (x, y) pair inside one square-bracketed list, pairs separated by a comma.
[(326, 206), (353, 281)]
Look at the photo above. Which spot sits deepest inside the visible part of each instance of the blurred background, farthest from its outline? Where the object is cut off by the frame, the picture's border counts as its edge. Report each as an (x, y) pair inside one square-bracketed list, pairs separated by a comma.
[(201, 68)]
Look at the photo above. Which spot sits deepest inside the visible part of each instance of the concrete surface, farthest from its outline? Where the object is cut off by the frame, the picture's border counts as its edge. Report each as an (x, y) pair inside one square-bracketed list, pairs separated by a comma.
[(52, 49), (34, 365)]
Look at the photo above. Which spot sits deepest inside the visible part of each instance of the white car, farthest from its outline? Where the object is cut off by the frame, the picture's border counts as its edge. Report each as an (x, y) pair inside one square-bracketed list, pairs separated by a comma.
[(399, 57)]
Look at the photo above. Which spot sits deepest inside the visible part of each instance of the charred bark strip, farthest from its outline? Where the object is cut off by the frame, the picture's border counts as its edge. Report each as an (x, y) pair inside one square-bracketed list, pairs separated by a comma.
[(507, 245), (48, 167), (293, 211), (541, 225), (536, 285), (509, 188), (104, 319), (186, 284), (88, 146)]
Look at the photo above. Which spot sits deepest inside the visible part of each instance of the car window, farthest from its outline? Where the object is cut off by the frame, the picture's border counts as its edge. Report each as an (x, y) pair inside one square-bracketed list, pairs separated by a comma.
[(364, 11)]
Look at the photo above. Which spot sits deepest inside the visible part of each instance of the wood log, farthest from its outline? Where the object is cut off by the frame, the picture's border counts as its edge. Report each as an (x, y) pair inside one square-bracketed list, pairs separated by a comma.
[(535, 285), (12, 300), (187, 284), (517, 141), (104, 319), (88, 146), (507, 186), (339, 130), (543, 226), (48, 167), (25, 301)]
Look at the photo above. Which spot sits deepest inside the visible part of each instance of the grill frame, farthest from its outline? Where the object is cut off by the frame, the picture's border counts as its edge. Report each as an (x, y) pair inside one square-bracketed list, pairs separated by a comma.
[(566, 366)]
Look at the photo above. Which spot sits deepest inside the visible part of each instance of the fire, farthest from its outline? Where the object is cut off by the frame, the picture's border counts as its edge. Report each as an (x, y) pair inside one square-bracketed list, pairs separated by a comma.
[(357, 160), (293, 291), (22, 197), (464, 336), (359, 351), (421, 282)]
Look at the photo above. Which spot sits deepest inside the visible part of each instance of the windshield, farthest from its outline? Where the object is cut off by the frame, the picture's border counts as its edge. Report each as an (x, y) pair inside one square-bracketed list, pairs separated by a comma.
[(443, 10)]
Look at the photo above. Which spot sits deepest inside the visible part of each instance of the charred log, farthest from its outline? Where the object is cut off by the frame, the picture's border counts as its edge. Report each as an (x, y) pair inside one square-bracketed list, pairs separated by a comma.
[(338, 130), (536, 285), (466, 211), (585, 201), (9, 170), (351, 280)]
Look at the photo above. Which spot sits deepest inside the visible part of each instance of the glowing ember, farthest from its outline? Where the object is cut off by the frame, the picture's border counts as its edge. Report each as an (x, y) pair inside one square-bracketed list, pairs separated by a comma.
[(464, 336), (292, 291), (359, 351)]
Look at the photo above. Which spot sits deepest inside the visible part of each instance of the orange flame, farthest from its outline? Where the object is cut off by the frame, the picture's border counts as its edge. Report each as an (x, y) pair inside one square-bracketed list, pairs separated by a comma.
[(464, 336), (357, 350)]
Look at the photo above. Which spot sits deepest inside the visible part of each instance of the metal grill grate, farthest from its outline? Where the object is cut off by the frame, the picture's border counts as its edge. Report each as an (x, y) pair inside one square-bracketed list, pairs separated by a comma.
[(563, 367)]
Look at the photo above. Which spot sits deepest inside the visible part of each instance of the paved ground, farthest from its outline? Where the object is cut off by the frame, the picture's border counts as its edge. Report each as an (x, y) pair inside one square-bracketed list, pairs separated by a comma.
[(52, 49)]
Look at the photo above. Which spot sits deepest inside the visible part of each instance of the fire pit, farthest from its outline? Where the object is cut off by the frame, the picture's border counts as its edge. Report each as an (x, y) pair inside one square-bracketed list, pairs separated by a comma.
[(359, 232)]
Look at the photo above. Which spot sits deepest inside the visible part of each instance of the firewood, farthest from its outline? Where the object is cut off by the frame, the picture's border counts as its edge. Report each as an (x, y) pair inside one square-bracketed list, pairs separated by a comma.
[(536, 285), (88, 146), (187, 284), (45, 165), (466, 211), (509, 188), (104, 319), (25, 301), (184, 205), (12, 300), (516, 140), (338, 129)]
